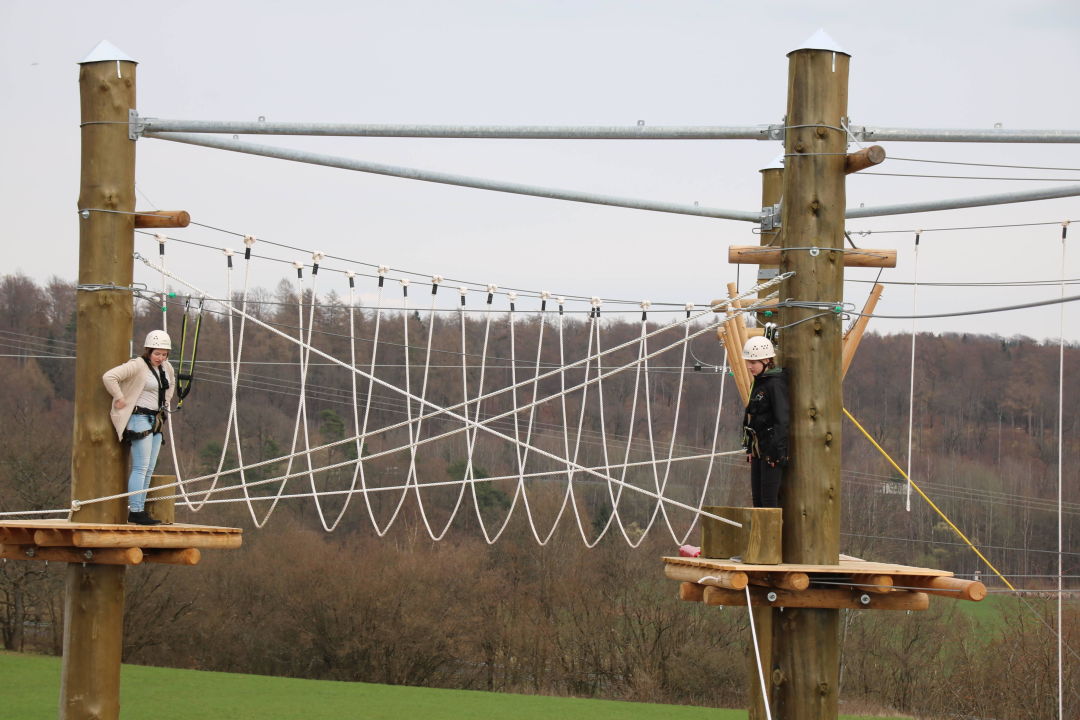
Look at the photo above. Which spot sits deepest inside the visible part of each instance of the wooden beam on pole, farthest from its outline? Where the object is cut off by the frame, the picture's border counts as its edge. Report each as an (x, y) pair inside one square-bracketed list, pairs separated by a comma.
[(94, 600), (162, 219), (867, 157), (806, 639), (838, 599), (852, 257), (854, 336), (730, 579)]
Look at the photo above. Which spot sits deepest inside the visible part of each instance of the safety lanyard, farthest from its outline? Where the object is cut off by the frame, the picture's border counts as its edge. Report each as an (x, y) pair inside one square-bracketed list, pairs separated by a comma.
[(185, 378)]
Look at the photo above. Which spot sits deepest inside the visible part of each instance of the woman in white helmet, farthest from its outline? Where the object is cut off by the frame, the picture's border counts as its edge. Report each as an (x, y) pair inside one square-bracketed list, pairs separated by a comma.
[(765, 423), (141, 390)]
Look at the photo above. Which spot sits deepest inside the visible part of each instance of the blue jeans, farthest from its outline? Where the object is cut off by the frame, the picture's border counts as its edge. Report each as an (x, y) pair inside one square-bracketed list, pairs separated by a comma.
[(144, 454)]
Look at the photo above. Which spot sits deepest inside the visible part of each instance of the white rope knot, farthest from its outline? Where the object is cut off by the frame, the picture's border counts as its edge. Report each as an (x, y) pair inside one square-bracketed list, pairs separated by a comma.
[(229, 252), (318, 256), (561, 300), (298, 265), (436, 279), (545, 295), (249, 240), (161, 238), (689, 307), (383, 269), (492, 288), (463, 290), (512, 295), (350, 274), (75, 505), (646, 304), (404, 282), (1065, 223), (595, 302)]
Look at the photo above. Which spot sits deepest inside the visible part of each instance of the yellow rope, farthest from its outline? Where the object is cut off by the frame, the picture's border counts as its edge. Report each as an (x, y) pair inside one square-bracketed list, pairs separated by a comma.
[(927, 499)]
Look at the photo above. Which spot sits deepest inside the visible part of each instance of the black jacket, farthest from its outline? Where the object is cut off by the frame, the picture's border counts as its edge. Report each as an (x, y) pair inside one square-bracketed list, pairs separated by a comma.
[(767, 417)]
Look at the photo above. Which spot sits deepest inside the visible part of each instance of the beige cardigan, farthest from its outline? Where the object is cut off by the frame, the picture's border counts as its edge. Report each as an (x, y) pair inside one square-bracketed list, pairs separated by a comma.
[(126, 382)]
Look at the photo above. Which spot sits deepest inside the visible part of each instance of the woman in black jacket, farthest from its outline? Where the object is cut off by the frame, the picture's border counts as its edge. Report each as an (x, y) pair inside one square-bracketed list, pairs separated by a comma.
[(765, 423)]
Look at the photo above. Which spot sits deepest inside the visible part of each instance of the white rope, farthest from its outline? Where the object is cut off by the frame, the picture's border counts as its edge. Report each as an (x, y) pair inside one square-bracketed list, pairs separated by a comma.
[(1061, 421), (757, 655), (472, 424), (911, 392)]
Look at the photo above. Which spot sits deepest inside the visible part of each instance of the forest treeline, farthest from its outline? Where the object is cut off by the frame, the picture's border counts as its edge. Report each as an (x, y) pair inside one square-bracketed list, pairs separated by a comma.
[(561, 618)]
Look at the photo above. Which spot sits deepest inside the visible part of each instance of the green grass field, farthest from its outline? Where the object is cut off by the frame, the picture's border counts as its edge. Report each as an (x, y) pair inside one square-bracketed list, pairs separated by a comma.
[(31, 690)]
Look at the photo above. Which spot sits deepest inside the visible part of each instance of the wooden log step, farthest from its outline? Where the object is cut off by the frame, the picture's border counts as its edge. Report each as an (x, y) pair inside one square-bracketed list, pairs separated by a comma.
[(730, 579), (956, 588), (172, 556)]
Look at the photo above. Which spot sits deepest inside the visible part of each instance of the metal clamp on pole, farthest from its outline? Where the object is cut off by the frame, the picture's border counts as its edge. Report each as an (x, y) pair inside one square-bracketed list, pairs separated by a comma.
[(136, 126), (770, 217)]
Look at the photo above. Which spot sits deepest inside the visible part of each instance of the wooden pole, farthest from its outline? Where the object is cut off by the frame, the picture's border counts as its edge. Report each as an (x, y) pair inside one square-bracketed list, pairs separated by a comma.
[(94, 605), (806, 640)]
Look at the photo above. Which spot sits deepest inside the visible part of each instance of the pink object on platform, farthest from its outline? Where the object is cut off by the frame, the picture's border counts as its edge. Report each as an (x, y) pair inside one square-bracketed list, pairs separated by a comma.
[(689, 551)]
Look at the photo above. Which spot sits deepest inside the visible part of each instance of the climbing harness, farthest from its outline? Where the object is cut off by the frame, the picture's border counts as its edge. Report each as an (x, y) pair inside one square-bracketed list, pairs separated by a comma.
[(185, 378)]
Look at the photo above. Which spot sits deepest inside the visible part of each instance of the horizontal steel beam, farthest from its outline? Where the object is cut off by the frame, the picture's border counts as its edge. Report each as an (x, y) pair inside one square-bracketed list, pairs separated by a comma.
[(977, 135), (861, 133), (449, 179), (524, 132)]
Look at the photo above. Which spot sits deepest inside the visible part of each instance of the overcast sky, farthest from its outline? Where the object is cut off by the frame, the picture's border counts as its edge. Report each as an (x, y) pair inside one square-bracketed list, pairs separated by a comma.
[(580, 62)]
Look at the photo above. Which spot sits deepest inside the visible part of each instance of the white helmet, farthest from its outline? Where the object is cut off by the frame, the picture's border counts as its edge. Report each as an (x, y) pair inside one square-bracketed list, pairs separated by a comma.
[(158, 339), (758, 348)]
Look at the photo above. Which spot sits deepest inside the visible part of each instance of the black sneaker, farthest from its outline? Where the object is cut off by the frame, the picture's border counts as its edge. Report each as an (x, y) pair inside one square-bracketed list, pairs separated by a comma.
[(141, 517)]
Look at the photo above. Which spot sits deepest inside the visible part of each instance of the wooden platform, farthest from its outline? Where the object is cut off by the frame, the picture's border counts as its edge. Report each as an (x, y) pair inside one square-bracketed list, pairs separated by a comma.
[(852, 583), (65, 541)]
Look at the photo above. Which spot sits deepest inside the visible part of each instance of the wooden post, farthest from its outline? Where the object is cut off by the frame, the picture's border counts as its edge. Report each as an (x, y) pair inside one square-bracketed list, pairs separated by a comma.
[(806, 640), (94, 605), (854, 337), (772, 191)]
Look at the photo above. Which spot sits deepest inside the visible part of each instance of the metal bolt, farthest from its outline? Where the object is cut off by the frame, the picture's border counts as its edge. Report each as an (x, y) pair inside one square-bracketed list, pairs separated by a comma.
[(84, 214), (771, 596), (31, 552), (88, 554), (864, 599)]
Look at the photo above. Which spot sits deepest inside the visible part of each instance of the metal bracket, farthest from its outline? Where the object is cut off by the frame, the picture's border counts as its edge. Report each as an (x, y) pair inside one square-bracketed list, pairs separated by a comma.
[(859, 133), (770, 217), (135, 125), (776, 132)]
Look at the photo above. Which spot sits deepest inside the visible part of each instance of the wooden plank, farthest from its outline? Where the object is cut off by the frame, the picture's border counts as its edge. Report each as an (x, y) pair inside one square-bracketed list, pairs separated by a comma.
[(162, 486), (844, 567), (731, 579), (32, 525), (861, 257), (756, 542), (155, 539), (181, 556), (819, 599), (854, 336)]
